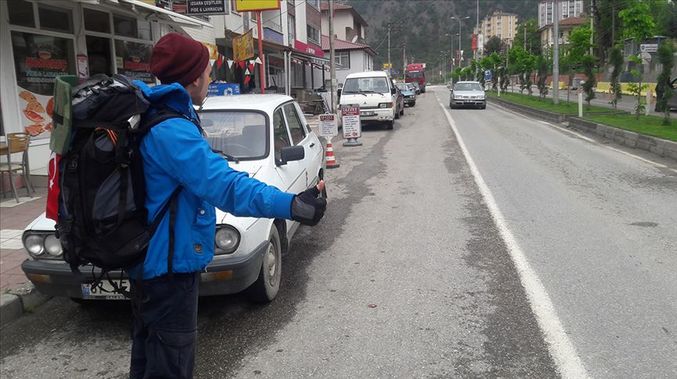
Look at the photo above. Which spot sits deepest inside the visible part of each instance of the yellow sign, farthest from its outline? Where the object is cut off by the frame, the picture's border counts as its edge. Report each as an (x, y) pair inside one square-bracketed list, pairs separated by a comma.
[(387, 66), (256, 5), (243, 47)]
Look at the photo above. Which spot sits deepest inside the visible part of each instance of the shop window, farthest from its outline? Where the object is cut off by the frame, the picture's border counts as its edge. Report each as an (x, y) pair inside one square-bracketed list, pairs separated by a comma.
[(342, 59), (125, 26), (21, 13), (55, 19), (294, 122), (133, 60), (144, 30), (96, 21), (38, 59), (298, 73), (99, 55)]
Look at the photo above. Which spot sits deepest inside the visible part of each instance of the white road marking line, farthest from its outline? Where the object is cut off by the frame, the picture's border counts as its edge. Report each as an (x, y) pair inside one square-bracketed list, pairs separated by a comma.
[(561, 348), (579, 135)]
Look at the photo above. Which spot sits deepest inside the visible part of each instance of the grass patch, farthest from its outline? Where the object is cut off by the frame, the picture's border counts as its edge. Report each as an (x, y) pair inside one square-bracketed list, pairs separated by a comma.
[(649, 125), (564, 107)]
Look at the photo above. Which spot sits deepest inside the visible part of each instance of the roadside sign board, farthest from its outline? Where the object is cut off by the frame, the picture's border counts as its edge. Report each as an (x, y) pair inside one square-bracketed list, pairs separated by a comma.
[(487, 75), (350, 116), (205, 7), (648, 47), (256, 5), (328, 125)]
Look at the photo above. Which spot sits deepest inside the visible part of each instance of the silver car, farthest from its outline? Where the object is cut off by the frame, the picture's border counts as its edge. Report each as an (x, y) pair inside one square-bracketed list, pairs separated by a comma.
[(467, 94)]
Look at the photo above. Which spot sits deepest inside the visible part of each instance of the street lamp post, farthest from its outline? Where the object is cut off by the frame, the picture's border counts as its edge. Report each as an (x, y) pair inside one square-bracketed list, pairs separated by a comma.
[(460, 19)]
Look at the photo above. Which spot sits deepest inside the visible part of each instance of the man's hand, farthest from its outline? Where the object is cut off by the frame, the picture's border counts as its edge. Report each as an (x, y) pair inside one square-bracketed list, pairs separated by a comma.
[(307, 207)]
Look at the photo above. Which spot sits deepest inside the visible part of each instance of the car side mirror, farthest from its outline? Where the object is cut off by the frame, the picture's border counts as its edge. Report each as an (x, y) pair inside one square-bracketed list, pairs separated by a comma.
[(393, 91), (290, 154)]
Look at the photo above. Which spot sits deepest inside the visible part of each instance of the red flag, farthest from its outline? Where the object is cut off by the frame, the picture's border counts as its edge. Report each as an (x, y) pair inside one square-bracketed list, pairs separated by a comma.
[(219, 62), (247, 79), (53, 188), (242, 64)]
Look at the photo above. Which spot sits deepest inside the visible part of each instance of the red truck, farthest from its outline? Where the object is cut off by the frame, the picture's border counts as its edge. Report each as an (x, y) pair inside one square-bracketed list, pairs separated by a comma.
[(415, 73)]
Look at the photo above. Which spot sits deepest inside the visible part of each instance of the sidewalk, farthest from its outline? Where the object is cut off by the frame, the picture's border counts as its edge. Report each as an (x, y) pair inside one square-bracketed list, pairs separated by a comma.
[(13, 219)]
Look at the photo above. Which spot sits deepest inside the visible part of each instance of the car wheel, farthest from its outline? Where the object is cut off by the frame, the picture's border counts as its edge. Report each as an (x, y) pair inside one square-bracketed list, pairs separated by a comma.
[(413, 104), (390, 125), (267, 285), (397, 114), (402, 111), (484, 106)]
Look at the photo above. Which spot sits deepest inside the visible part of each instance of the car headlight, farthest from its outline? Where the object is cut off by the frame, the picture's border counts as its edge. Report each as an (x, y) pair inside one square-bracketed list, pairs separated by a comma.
[(53, 245), (34, 244), (227, 239), (385, 105)]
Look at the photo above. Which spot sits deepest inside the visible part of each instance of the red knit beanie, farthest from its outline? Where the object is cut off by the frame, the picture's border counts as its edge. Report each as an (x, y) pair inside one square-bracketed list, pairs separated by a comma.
[(178, 59)]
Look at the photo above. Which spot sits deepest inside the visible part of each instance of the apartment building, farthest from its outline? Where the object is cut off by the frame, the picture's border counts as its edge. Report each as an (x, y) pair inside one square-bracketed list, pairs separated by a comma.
[(352, 54), (499, 24), (568, 9)]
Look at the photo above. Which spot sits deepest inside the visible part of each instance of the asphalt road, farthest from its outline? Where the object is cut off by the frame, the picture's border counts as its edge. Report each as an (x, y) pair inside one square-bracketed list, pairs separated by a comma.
[(413, 274)]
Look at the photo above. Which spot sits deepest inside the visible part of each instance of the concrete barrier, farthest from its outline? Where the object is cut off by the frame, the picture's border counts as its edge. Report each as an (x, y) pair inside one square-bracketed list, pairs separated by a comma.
[(658, 146)]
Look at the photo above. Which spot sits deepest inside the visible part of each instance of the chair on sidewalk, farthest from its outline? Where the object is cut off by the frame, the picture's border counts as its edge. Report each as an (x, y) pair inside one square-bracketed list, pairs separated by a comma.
[(17, 143)]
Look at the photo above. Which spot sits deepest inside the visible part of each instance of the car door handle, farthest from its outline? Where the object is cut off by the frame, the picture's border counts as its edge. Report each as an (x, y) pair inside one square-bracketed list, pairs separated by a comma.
[(312, 145)]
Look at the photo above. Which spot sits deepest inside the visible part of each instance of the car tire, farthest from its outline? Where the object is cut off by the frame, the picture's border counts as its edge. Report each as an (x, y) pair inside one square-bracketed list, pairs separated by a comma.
[(267, 285), (484, 106), (397, 114), (390, 125), (402, 111), (413, 104)]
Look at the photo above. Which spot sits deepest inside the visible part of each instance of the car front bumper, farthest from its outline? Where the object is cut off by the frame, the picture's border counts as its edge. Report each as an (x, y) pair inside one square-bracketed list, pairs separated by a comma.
[(221, 277), (377, 114), (468, 102), (409, 100)]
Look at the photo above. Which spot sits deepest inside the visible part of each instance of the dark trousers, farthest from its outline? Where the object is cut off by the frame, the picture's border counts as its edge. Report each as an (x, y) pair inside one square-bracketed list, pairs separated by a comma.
[(165, 327)]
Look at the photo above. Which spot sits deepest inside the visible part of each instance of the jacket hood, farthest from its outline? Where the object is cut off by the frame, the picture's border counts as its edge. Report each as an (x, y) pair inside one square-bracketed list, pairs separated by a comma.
[(171, 95)]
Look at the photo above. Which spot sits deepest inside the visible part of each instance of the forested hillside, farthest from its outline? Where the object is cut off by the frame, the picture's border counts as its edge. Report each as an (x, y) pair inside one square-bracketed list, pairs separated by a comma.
[(423, 25)]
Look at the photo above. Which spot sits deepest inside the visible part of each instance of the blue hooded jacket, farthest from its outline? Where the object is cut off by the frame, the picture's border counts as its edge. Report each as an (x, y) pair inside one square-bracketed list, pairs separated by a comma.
[(176, 154)]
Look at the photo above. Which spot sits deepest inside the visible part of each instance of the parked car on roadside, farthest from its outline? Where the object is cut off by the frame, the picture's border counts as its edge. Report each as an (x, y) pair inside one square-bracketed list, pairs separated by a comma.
[(408, 92), (417, 87), (266, 136), (467, 94), (376, 94)]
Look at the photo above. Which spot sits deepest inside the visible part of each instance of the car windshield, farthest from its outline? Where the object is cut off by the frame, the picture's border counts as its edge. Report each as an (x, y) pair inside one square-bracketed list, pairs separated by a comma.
[(414, 74), (361, 85), (403, 87), (467, 87), (236, 134)]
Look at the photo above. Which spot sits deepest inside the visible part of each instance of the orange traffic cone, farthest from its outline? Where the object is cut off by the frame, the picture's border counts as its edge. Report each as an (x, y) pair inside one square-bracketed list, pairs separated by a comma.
[(330, 158)]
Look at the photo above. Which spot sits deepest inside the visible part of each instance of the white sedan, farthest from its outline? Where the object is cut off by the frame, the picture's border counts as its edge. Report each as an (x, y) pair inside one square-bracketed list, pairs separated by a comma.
[(266, 136)]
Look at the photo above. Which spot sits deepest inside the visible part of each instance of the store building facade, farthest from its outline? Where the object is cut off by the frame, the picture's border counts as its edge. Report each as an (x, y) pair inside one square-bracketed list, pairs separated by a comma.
[(43, 39)]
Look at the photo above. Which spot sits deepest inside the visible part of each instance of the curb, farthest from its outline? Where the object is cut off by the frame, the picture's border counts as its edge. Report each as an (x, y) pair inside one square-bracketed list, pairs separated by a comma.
[(18, 301), (658, 146)]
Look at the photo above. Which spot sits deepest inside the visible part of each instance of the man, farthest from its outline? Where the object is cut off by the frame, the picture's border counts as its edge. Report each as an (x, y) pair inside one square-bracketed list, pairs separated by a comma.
[(175, 155)]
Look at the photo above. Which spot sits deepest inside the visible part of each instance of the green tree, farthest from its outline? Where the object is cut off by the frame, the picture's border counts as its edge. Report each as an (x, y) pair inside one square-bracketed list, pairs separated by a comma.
[(637, 25), (616, 60), (493, 45), (533, 37), (543, 67), (663, 87), (588, 64)]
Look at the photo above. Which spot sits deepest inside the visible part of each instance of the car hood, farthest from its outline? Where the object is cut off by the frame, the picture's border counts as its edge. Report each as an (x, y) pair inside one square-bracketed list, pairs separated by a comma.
[(408, 93), (469, 93), (367, 99)]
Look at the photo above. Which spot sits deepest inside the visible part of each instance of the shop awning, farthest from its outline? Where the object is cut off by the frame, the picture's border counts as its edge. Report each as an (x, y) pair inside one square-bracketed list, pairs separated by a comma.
[(172, 15)]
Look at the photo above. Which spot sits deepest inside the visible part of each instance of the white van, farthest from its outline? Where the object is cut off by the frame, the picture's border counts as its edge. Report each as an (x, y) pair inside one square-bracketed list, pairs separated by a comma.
[(375, 93)]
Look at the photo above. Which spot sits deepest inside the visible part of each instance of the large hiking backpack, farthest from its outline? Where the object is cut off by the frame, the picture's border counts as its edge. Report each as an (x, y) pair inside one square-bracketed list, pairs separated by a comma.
[(102, 217)]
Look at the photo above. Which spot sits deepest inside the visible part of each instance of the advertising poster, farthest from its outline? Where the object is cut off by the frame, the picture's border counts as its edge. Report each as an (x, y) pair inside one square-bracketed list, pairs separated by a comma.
[(133, 60), (243, 47), (38, 59), (328, 125), (350, 116)]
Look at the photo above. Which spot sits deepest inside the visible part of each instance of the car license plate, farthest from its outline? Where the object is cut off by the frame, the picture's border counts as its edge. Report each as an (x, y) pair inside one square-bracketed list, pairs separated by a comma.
[(104, 290), (368, 113)]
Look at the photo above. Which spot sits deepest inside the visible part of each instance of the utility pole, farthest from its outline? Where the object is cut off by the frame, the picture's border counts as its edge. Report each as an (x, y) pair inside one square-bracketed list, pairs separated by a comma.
[(592, 25), (332, 57), (555, 57), (389, 61), (477, 25), (524, 26), (404, 59)]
